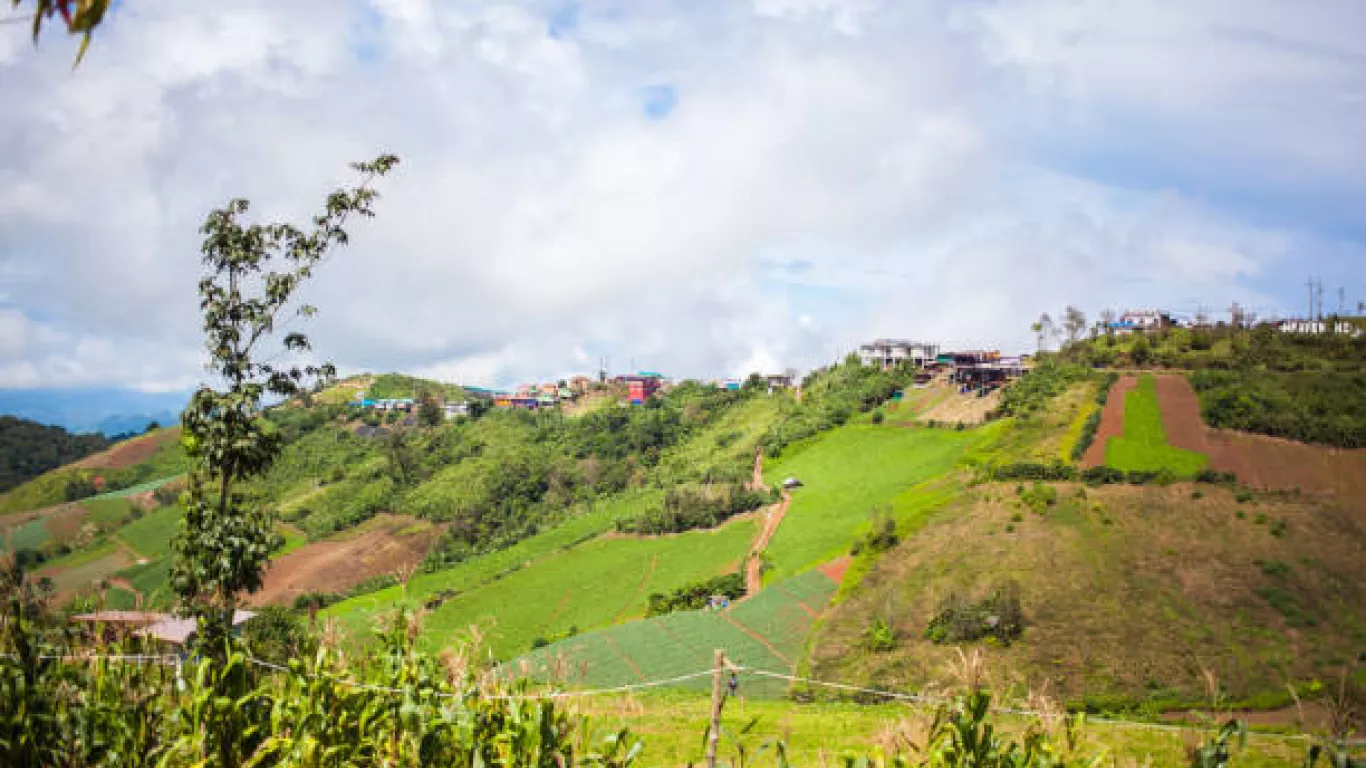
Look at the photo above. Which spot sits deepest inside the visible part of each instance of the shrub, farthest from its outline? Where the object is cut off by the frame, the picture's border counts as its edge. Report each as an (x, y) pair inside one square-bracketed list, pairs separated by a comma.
[(1215, 478), (960, 620), (881, 535), (1056, 472), (1243, 497), (1039, 497), (1278, 528), (880, 636), (879, 417), (1102, 476), (1274, 568), (686, 509), (695, 595)]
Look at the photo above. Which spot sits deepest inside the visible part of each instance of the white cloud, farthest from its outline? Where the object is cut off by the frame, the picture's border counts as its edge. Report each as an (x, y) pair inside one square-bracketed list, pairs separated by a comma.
[(540, 221)]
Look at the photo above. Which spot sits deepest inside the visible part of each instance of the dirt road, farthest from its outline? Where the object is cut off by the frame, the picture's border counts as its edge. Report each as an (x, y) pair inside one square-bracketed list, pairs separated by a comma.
[(773, 517)]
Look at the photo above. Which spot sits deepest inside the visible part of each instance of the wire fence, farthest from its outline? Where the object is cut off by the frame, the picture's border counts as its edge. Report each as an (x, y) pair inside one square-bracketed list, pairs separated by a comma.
[(908, 698)]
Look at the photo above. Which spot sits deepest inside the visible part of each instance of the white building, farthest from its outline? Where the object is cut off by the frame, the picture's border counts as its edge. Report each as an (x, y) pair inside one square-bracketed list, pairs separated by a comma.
[(1318, 326), (1143, 319), (889, 353)]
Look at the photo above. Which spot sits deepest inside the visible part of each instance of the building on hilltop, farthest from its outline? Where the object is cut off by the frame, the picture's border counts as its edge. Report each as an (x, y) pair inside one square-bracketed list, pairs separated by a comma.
[(1318, 326), (641, 386), (1145, 319), (890, 353)]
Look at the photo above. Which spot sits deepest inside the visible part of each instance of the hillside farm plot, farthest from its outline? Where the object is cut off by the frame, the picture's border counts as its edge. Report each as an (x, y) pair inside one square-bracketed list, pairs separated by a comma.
[(134, 450), (382, 546), (150, 536), (82, 570), (766, 632), (601, 582), (846, 473), (1111, 421), (360, 614), (1143, 447)]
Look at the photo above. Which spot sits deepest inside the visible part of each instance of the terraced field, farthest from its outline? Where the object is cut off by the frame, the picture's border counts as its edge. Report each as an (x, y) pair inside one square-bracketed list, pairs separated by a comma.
[(767, 631), (601, 582)]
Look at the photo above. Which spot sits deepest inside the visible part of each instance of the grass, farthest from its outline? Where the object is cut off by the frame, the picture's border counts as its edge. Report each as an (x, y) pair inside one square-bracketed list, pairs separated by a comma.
[(845, 474), (150, 485), (110, 513), (153, 580), (294, 538), (1121, 588), (360, 613), (601, 582), (1143, 446), (82, 569), (670, 725), (681, 643), (150, 536), (1072, 436)]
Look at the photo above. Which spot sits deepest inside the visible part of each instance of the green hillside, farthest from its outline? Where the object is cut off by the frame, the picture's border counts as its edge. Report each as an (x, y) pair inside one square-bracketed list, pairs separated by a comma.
[(28, 449), (847, 475)]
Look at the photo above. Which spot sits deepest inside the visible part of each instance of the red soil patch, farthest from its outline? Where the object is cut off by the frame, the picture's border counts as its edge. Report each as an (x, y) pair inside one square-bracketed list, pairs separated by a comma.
[(130, 452), (1111, 422), (339, 563), (835, 569), (1181, 413), (65, 523)]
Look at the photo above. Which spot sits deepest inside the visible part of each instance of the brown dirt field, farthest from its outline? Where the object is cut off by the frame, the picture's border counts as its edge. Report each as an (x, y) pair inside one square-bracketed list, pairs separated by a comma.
[(130, 452), (1126, 590), (1262, 462), (1111, 422), (1272, 463), (70, 582), (65, 522), (1181, 413), (962, 409), (341, 562)]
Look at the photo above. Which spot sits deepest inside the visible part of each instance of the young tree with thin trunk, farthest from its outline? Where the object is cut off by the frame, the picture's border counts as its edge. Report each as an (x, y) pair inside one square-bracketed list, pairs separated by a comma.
[(226, 541)]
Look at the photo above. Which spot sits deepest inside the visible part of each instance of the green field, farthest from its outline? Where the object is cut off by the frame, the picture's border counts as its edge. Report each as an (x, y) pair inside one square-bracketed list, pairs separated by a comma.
[(110, 513), (359, 614), (30, 535), (1143, 446), (601, 582), (150, 485), (846, 473), (150, 536), (681, 643)]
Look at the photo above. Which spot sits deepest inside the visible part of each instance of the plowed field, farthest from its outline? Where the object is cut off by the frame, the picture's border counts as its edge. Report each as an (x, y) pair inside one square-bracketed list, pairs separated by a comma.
[(129, 452), (1111, 422), (385, 545)]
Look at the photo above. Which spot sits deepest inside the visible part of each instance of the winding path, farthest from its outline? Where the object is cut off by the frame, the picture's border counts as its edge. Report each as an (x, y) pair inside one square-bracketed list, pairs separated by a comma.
[(773, 517)]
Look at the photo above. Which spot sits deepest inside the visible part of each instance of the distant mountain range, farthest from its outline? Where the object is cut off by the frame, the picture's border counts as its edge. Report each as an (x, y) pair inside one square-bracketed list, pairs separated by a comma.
[(109, 411)]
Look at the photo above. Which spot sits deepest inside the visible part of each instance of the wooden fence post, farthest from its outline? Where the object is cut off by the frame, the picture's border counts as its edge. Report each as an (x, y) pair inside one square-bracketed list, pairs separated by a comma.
[(718, 700)]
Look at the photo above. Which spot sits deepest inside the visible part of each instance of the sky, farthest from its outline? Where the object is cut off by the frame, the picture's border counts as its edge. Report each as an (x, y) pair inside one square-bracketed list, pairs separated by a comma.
[(698, 188)]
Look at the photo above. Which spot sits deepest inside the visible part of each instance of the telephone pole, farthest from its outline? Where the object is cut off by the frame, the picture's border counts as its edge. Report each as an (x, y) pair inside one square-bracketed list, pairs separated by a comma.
[(1310, 285), (1320, 299)]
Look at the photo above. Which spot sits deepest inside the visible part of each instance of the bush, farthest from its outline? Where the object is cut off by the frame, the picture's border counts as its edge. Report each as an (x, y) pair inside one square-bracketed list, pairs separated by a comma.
[(1040, 497), (880, 636), (1211, 477), (686, 509), (879, 417), (1056, 472), (960, 620), (695, 595), (881, 535)]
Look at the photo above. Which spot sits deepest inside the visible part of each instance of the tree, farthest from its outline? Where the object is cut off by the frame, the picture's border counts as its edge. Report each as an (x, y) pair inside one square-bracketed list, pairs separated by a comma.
[(80, 16), (227, 538), (1043, 328), (1074, 322), (1141, 352), (429, 410)]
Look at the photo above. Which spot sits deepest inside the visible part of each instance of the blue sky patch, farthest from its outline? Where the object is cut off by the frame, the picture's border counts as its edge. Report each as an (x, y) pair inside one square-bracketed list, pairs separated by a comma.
[(563, 20), (659, 101)]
